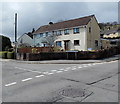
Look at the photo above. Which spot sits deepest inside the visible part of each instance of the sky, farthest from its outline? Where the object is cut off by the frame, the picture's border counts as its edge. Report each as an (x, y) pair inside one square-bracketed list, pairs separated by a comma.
[(35, 14)]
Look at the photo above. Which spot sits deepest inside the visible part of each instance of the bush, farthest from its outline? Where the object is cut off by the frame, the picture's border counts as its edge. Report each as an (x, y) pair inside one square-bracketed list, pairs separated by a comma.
[(10, 55), (57, 49), (3, 54), (34, 50)]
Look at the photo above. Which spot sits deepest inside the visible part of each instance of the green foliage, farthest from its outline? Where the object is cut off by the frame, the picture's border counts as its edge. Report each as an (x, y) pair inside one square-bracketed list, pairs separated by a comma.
[(57, 49), (5, 43), (10, 55), (7, 48), (34, 50), (3, 54), (23, 45)]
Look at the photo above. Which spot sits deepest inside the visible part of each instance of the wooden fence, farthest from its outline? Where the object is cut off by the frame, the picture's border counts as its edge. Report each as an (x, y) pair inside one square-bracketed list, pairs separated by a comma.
[(34, 50)]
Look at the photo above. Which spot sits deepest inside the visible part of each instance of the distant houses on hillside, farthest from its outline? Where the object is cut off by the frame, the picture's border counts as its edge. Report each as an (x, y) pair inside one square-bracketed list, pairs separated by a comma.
[(111, 38)]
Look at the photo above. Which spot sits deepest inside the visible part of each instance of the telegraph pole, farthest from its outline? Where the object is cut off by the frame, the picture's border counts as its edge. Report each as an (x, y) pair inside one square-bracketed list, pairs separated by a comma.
[(15, 34), (119, 12)]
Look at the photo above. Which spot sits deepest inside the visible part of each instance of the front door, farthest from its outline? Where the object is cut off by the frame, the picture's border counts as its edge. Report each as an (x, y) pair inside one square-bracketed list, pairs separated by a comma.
[(66, 43)]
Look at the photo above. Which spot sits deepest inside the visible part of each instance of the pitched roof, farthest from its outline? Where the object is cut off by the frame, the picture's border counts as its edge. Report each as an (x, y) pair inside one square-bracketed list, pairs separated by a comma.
[(64, 24), (114, 30), (30, 34)]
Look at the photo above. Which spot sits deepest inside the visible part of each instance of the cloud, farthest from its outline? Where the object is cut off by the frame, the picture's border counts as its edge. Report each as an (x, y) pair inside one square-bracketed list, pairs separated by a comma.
[(34, 14), (105, 11)]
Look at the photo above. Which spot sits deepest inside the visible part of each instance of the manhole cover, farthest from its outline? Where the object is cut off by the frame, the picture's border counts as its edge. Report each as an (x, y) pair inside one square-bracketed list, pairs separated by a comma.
[(71, 92)]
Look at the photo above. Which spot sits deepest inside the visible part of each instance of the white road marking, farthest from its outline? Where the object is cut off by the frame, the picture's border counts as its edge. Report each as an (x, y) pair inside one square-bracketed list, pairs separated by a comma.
[(10, 84), (27, 79), (94, 64), (59, 71), (39, 76), (103, 62), (79, 67), (89, 65), (45, 72), (50, 73), (112, 61), (66, 70), (85, 66), (99, 63), (53, 70), (28, 70), (74, 66), (73, 69), (68, 67)]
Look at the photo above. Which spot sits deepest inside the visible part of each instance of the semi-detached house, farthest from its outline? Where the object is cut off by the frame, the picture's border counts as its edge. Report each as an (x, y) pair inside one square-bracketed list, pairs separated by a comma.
[(76, 34)]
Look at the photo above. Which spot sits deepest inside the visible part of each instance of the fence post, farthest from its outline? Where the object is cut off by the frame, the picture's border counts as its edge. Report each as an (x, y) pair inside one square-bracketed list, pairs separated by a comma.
[(27, 56), (67, 55), (75, 55)]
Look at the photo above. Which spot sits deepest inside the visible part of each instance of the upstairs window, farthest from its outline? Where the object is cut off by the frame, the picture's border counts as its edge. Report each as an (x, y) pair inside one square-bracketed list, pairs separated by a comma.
[(41, 35), (58, 43), (96, 43), (75, 30), (54, 32), (89, 29), (49, 33), (66, 31), (59, 32), (46, 33), (76, 42)]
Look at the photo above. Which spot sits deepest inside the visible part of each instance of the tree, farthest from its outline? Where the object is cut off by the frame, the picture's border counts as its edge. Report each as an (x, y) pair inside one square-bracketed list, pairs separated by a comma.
[(5, 43), (101, 25), (22, 45), (49, 40)]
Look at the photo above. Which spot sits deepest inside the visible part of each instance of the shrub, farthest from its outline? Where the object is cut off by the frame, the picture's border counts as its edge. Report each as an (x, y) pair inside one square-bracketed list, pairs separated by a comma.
[(10, 55), (57, 49), (3, 54), (34, 50)]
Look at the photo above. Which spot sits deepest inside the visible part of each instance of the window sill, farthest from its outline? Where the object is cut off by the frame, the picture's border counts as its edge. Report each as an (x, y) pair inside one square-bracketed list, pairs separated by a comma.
[(76, 45), (76, 33)]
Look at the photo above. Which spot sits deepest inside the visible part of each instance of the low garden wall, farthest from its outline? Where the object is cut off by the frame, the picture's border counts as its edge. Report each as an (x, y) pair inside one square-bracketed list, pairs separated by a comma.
[(99, 54)]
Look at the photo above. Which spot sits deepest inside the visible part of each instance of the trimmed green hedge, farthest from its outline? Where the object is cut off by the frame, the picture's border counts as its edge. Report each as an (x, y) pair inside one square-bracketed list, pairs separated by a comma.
[(6, 55), (10, 55), (3, 54)]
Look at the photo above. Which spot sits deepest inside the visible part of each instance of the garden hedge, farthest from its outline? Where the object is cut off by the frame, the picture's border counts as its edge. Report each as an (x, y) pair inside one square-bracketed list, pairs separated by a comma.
[(10, 55), (3, 54)]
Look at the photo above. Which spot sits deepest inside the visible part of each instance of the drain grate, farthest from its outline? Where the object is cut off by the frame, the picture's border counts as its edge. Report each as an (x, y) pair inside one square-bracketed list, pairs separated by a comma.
[(71, 92)]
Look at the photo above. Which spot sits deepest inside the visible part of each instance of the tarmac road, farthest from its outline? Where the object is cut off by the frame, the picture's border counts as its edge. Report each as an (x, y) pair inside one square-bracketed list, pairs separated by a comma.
[(91, 82)]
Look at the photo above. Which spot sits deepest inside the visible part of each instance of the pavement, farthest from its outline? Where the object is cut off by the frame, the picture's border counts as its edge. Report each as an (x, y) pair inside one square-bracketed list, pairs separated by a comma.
[(116, 57)]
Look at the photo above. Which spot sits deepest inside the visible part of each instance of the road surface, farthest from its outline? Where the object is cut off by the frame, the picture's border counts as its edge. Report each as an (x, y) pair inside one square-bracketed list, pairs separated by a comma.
[(95, 82)]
